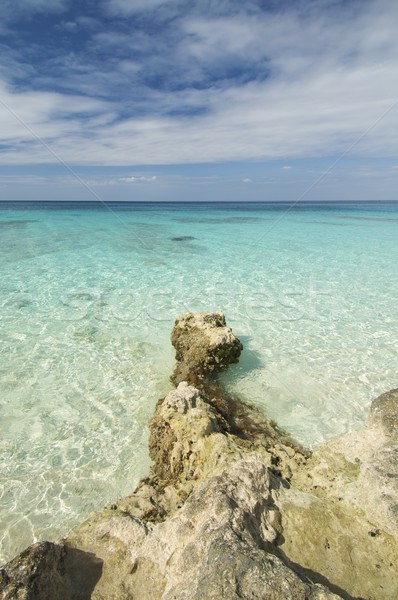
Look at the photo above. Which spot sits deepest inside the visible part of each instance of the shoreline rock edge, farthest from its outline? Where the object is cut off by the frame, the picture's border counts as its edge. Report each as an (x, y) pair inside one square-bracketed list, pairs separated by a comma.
[(233, 507)]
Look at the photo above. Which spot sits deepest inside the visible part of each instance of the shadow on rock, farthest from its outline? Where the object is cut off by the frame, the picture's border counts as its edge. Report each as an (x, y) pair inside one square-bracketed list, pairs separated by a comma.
[(48, 571)]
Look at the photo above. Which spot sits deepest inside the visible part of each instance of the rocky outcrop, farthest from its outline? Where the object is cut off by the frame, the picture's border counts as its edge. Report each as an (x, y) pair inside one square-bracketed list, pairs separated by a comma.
[(204, 345), (233, 508), (48, 571), (340, 515), (204, 526)]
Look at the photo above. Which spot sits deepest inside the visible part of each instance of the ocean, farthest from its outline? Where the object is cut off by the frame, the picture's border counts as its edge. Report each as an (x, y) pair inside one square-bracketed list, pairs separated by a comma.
[(90, 293)]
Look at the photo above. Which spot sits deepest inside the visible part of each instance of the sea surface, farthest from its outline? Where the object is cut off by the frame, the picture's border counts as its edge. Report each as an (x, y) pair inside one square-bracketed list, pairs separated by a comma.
[(89, 294)]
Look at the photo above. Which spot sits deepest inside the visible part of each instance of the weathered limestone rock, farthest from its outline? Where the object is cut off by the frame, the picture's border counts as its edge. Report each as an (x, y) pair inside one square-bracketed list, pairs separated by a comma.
[(340, 515), (204, 344), (233, 507), (190, 441), (204, 525), (384, 413), (215, 547), (47, 571)]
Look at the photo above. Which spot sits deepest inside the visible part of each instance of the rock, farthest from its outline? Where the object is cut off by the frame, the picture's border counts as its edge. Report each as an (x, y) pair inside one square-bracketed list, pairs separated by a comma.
[(212, 526), (191, 441), (384, 413), (233, 508), (48, 571), (204, 345), (340, 515), (215, 547)]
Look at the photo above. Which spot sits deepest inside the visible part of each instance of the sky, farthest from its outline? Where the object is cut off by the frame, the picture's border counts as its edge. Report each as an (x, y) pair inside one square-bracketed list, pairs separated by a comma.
[(213, 100)]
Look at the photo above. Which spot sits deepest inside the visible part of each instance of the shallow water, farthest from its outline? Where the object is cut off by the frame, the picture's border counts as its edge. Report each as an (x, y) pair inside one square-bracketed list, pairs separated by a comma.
[(88, 297)]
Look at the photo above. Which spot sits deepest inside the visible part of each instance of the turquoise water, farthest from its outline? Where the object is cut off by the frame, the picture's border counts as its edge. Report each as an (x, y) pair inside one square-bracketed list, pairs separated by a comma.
[(89, 295)]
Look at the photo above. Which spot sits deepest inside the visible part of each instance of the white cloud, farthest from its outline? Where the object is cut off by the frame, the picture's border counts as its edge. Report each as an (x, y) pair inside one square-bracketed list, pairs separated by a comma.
[(321, 115), (247, 180), (27, 116), (135, 178), (328, 84)]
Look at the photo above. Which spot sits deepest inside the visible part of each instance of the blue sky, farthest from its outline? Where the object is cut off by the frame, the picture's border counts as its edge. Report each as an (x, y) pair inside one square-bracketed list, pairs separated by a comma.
[(207, 100)]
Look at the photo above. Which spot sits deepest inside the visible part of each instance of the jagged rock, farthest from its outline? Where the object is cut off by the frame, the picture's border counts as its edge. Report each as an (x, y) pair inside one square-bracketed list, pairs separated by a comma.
[(233, 507), (340, 515), (213, 525), (384, 413), (204, 344), (215, 547), (48, 571), (191, 441)]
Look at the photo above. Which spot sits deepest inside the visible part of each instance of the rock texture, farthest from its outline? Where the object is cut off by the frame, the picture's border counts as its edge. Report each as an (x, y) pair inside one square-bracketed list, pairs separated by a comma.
[(233, 508), (204, 344), (48, 571), (340, 515)]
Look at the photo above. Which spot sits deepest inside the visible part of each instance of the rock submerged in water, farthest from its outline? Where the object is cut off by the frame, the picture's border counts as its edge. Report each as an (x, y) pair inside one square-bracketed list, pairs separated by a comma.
[(233, 507)]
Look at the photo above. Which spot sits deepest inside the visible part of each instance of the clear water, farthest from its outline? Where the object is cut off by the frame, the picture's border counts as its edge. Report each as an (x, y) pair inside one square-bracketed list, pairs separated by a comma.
[(89, 295)]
